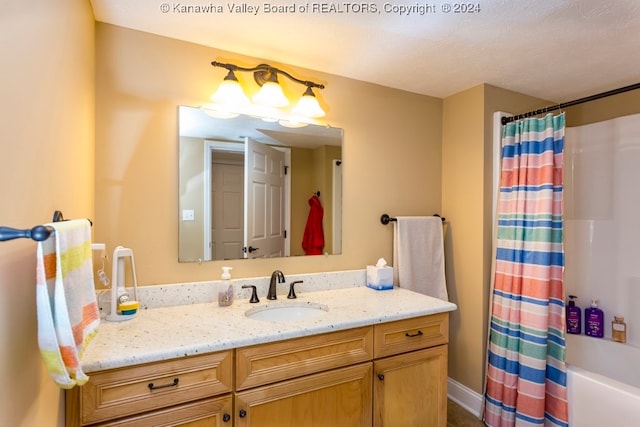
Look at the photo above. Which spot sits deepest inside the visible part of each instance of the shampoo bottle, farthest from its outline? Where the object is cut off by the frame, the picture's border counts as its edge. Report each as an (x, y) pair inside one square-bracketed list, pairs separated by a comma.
[(574, 317), (594, 320), (225, 291)]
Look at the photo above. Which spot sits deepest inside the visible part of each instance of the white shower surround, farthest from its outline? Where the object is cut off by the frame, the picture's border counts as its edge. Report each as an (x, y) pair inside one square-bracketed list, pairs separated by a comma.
[(602, 215)]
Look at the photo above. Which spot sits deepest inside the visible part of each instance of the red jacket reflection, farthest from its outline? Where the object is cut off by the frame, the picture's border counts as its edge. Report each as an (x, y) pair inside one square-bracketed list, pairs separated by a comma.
[(313, 239)]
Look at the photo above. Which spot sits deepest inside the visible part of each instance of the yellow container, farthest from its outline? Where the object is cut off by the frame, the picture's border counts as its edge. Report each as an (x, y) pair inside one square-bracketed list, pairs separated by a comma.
[(619, 329), (128, 307)]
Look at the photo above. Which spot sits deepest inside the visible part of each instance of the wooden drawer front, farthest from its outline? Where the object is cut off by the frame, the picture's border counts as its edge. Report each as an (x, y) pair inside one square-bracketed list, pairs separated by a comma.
[(207, 412), (268, 363), (121, 392), (410, 334)]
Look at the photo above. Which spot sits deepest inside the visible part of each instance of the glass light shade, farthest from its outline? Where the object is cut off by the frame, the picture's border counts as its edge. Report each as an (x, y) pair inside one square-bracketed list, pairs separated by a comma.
[(308, 106), (230, 92), (271, 95)]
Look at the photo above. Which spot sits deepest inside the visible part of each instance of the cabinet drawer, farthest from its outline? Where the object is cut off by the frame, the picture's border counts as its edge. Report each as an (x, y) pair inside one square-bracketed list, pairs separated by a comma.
[(121, 392), (410, 334), (207, 412), (268, 363)]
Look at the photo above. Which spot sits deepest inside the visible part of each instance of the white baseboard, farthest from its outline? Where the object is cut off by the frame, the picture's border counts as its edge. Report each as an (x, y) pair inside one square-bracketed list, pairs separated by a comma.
[(465, 397)]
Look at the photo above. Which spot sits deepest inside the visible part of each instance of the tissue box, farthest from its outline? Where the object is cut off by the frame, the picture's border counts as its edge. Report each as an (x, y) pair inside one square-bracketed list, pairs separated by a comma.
[(379, 278)]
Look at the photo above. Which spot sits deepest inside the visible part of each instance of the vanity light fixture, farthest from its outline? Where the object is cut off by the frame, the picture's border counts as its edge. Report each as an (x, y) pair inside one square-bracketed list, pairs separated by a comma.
[(229, 100)]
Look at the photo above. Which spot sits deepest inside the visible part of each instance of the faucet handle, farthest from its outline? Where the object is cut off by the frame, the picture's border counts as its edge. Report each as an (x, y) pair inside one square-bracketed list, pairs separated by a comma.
[(254, 294), (292, 292)]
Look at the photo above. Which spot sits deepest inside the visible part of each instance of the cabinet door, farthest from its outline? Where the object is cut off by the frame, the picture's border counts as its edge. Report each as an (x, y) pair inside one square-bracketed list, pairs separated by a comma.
[(410, 390), (214, 412), (341, 397)]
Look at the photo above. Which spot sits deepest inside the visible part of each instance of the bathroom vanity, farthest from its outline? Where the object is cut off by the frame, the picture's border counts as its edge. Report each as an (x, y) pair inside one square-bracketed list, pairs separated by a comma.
[(375, 358)]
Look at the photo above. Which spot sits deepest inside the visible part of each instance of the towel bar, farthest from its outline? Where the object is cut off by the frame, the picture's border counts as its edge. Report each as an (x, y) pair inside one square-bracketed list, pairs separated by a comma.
[(386, 219), (38, 233)]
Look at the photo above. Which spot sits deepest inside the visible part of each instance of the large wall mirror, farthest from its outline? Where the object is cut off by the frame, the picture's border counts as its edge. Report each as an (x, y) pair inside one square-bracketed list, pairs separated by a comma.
[(247, 187)]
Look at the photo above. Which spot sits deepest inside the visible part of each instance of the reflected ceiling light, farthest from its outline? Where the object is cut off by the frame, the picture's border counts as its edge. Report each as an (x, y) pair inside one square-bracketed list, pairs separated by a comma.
[(269, 100)]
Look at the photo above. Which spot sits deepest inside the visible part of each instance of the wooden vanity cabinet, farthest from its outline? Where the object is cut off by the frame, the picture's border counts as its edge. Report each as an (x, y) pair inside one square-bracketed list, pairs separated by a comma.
[(162, 393), (391, 374)]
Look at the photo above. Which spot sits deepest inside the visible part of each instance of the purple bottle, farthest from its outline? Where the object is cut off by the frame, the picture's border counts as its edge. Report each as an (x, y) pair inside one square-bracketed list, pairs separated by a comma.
[(573, 316), (594, 320)]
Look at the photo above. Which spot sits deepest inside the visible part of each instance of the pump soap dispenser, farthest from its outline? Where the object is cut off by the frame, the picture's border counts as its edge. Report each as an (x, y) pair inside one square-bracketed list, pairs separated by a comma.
[(574, 316), (594, 320), (225, 290)]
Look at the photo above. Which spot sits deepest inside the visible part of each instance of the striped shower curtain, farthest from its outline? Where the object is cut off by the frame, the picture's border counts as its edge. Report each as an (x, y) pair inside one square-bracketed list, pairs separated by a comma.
[(526, 372)]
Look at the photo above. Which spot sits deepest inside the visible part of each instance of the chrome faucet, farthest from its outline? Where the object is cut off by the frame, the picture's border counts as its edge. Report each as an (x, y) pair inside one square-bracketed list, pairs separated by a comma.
[(275, 276)]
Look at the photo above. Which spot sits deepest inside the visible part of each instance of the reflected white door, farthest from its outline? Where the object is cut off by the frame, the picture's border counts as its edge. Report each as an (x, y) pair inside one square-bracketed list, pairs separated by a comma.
[(227, 195), (264, 198)]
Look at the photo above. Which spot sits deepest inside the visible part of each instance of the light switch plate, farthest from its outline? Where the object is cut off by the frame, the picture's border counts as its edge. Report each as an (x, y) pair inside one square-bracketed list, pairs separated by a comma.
[(188, 215)]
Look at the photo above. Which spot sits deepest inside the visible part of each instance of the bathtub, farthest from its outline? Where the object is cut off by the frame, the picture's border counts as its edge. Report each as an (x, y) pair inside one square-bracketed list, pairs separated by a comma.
[(603, 382)]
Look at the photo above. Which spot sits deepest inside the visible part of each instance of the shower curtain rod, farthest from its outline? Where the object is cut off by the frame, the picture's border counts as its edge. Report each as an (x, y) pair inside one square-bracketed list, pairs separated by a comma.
[(563, 105)]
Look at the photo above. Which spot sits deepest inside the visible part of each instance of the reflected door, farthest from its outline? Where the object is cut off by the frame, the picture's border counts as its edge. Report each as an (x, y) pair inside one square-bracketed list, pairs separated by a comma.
[(264, 198), (227, 223)]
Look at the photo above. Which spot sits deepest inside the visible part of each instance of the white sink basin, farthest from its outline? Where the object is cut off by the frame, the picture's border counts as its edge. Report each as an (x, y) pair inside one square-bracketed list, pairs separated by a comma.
[(287, 311)]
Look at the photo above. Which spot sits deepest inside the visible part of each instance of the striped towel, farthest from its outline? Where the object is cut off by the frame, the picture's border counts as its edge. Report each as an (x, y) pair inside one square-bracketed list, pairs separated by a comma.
[(67, 309)]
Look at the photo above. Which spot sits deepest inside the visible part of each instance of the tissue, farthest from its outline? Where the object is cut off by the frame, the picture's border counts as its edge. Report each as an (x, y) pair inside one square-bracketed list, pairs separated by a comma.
[(380, 276)]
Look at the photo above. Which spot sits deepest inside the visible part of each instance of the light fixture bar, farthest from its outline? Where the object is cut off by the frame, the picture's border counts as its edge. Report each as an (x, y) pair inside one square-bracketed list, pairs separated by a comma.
[(269, 101), (260, 71)]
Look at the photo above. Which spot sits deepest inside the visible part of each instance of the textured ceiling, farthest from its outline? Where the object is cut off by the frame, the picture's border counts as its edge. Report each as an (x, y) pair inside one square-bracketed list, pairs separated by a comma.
[(553, 49)]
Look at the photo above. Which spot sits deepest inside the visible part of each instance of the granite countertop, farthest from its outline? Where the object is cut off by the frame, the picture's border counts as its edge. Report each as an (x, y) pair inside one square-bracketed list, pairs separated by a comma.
[(163, 333)]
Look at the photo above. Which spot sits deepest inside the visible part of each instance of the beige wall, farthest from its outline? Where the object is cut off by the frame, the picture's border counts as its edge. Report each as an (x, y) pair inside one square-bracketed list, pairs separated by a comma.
[(467, 202), (46, 149), (391, 160), (191, 189)]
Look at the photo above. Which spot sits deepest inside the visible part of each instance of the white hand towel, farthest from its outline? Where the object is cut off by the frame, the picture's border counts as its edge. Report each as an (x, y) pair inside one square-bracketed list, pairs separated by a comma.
[(418, 255)]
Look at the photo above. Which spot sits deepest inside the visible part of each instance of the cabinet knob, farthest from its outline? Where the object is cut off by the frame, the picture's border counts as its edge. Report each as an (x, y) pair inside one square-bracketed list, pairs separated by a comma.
[(242, 413), (226, 418), (381, 377)]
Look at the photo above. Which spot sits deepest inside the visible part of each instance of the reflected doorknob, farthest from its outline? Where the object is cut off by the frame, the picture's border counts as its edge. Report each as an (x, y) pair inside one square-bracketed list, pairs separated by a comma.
[(250, 249)]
